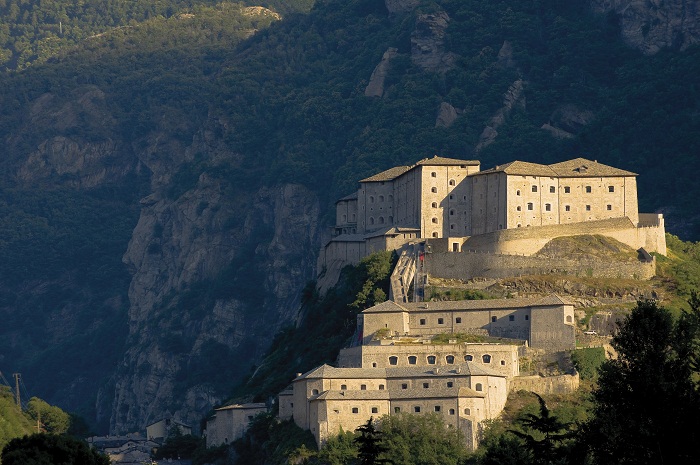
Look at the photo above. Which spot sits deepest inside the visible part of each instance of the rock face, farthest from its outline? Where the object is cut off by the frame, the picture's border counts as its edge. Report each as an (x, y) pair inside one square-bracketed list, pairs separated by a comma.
[(567, 121), (512, 98), (178, 244), (650, 25), (375, 88), (401, 6), (428, 43), (447, 114)]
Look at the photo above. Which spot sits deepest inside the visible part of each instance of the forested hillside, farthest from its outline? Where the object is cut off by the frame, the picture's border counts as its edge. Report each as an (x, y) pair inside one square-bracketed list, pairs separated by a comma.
[(168, 170)]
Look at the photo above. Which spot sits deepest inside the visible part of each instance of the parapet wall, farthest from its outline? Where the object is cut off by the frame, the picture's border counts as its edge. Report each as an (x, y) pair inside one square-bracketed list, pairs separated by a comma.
[(468, 265), (528, 241), (561, 384)]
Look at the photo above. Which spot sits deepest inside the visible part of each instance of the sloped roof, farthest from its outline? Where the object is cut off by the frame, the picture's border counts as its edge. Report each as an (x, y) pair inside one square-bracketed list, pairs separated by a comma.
[(388, 175), (465, 369), (443, 161), (521, 168), (257, 405), (391, 231), (578, 167), (584, 168), (353, 395), (486, 304), (352, 196)]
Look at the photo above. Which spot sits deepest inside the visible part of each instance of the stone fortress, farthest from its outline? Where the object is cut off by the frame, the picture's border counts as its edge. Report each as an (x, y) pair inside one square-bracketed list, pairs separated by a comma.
[(509, 210), (447, 218)]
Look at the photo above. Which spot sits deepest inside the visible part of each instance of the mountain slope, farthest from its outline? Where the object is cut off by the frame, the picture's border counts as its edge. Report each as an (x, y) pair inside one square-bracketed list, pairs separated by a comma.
[(208, 167)]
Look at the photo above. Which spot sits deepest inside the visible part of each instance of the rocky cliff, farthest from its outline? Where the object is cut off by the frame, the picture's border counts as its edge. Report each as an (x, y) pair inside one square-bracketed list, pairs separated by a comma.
[(651, 25)]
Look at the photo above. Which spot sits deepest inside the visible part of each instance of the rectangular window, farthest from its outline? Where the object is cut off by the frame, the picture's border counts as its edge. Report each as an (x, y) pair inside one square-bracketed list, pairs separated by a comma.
[(363, 387), (375, 410), (609, 207), (381, 387), (397, 409), (458, 320), (611, 188), (534, 188), (511, 317), (422, 321), (437, 408), (588, 208), (343, 387), (355, 410), (450, 384), (567, 208), (425, 385), (552, 189), (548, 207), (493, 319), (404, 386), (529, 206), (416, 409), (440, 321), (567, 190), (589, 189)]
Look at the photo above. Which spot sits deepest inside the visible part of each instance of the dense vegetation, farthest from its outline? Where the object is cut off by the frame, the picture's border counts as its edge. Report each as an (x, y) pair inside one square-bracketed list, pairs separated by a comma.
[(44, 448), (289, 106), (329, 324)]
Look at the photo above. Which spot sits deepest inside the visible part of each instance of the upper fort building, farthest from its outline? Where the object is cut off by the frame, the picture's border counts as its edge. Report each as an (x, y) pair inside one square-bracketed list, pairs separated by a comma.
[(448, 198)]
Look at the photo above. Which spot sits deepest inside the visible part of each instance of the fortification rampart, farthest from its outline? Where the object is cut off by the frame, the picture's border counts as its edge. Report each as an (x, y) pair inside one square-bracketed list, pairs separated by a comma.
[(529, 241), (561, 384), (472, 264)]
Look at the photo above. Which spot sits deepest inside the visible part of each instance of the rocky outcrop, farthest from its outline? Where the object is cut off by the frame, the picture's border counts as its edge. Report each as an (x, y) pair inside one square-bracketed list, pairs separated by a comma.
[(514, 97), (181, 243), (651, 25), (401, 6), (447, 114), (428, 43), (375, 88), (567, 121), (505, 56)]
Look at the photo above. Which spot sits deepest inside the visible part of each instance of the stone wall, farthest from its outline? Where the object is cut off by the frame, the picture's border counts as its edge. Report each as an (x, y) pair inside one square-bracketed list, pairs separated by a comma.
[(468, 265), (561, 384), (529, 241)]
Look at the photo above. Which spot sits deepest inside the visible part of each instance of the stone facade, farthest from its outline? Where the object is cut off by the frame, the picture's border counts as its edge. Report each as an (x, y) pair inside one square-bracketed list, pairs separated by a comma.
[(501, 358), (545, 323), (329, 400), (452, 199), (231, 422)]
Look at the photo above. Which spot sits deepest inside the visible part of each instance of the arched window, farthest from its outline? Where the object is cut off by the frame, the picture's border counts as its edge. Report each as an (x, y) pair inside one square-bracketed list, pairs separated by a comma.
[(434, 204), (391, 219), (431, 360), (434, 220), (381, 220), (452, 182), (569, 319), (433, 174), (450, 359), (393, 360), (468, 358), (371, 199), (381, 198), (391, 198), (486, 358), (517, 192), (412, 359), (314, 392), (467, 411), (452, 411), (435, 234), (503, 363), (452, 212), (345, 218), (371, 220), (478, 387), (433, 190)]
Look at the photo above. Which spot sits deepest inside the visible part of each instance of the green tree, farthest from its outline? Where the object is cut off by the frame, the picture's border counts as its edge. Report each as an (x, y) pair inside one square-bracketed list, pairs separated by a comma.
[(369, 444), (646, 404), (52, 419), (50, 449), (421, 439), (545, 435)]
